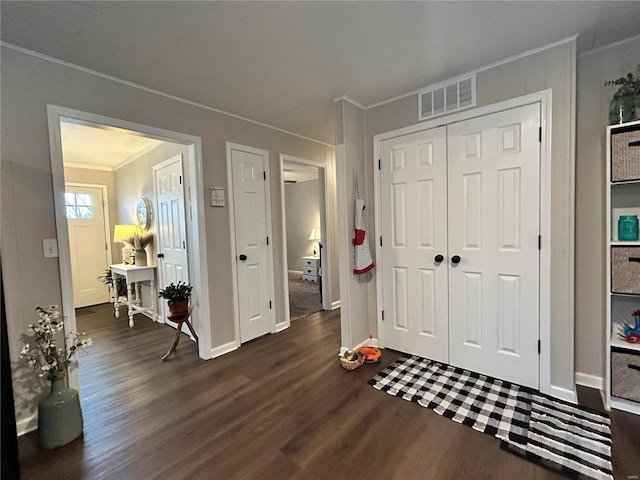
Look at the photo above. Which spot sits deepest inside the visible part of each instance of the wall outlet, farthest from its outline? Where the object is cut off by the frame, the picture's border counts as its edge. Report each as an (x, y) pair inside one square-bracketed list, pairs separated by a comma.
[(50, 247)]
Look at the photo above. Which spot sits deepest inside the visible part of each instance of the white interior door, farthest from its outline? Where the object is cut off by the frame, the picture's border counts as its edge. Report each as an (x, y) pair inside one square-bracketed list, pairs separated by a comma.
[(84, 209), (171, 227), (494, 219), (253, 257), (414, 231)]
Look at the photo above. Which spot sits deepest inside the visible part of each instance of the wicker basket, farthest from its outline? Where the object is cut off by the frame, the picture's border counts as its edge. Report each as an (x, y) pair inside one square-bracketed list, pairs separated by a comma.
[(351, 364), (625, 270), (625, 156)]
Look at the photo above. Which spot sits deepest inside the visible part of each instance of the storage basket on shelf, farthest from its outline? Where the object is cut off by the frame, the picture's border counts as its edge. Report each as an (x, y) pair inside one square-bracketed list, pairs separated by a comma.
[(625, 374), (625, 270), (625, 156)]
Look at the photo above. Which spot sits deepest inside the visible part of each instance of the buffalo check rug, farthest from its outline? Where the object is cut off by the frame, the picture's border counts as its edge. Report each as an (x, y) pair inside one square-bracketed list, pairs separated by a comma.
[(558, 435)]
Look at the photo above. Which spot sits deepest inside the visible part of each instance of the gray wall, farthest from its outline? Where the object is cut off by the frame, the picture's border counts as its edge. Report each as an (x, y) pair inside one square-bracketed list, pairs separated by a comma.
[(592, 119), (135, 180), (357, 301), (302, 204), (29, 83)]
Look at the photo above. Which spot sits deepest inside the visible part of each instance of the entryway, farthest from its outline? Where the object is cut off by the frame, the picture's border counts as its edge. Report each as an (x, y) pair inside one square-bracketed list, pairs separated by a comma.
[(460, 231), (192, 183)]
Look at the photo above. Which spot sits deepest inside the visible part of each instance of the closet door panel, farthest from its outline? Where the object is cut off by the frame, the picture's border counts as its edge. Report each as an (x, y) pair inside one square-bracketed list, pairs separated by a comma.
[(413, 212), (493, 210)]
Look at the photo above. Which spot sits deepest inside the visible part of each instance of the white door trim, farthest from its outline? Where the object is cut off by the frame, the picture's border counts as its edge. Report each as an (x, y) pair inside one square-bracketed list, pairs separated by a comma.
[(544, 99), (195, 222), (232, 224), (326, 270), (105, 210)]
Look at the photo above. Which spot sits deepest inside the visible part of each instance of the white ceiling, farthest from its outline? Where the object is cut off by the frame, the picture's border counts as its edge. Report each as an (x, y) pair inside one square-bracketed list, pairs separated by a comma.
[(100, 147), (296, 172), (282, 63)]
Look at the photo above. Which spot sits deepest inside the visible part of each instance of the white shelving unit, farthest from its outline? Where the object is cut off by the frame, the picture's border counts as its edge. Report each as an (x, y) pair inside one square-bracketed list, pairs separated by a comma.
[(623, 198)]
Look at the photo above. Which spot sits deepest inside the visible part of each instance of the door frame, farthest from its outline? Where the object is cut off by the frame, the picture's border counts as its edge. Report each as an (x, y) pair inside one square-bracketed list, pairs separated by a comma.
[(234, 254), (544, 98), (326, 273), (105, 210), (195, 224)]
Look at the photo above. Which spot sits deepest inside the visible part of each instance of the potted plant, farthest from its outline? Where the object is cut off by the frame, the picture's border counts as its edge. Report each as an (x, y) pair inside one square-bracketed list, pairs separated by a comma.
[(120, 286), (625, 105), (177, 296), (59, 414)]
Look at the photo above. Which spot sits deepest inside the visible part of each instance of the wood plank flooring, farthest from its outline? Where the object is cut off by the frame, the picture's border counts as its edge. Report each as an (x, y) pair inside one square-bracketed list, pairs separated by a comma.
[(280, 407)]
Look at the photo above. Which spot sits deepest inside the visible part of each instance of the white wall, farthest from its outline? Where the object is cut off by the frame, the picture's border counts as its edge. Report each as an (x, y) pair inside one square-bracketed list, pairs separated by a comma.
[(302, 203), (29, 83)]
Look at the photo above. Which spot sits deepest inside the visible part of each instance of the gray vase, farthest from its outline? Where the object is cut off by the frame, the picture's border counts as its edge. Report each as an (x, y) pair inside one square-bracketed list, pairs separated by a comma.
[(59, 416), (622, 108)]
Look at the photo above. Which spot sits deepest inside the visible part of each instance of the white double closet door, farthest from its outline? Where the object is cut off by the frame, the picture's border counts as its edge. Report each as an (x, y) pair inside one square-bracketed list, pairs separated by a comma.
[(460, 221)]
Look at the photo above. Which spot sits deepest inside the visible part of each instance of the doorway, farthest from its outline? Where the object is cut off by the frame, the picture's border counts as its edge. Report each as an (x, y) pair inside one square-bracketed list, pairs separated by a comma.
[(171, 228), (252, 244), (195, 223), (461, 264), (304, 231), (507, 296)]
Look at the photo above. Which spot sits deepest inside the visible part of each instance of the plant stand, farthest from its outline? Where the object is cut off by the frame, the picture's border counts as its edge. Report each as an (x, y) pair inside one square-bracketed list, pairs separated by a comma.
[(180, 318)]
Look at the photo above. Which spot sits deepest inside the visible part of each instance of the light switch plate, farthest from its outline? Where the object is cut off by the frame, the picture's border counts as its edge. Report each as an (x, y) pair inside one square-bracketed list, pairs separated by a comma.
[(216, 196), (50, 247)]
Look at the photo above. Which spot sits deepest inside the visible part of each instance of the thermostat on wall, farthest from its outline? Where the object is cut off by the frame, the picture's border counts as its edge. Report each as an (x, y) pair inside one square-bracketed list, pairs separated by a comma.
[(216, 196)]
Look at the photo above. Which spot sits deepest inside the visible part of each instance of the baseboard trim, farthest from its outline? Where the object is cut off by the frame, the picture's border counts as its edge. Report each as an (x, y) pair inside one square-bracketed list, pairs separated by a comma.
[(225, 348), (588, 380), (367, 342), (335, 305), (563, 394), (27, 425), (282, 326)]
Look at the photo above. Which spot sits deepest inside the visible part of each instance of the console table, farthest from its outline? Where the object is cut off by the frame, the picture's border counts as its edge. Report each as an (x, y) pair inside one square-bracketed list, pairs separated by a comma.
[(133, 274)]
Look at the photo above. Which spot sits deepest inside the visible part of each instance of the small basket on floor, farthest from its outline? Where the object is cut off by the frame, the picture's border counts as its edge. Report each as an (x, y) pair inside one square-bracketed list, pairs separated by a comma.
[(351, 360)]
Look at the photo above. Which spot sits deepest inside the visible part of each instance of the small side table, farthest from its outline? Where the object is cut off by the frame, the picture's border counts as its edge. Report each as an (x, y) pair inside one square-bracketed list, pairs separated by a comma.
[(180, 318), (133, 274)]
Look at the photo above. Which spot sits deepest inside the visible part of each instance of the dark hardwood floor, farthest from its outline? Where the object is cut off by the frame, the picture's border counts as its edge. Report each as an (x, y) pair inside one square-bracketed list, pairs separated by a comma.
[(280, 407)]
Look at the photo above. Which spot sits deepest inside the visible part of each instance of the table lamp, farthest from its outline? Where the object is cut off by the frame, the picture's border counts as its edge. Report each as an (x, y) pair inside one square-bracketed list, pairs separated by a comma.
[(120, 232), (316, 237)]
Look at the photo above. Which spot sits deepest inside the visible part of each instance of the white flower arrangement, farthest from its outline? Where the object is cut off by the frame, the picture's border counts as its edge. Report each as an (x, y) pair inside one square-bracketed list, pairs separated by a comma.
[(51, 360)]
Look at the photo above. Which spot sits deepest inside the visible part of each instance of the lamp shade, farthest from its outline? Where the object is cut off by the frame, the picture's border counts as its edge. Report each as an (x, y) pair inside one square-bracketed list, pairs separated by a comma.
[(315, 235), (120, 232)]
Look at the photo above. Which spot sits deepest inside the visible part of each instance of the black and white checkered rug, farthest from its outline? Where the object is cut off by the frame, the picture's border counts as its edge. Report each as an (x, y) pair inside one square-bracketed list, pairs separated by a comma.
[(558, 435)]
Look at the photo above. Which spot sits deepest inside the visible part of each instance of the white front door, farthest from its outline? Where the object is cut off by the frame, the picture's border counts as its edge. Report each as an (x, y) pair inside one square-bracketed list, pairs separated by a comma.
[(84, 209), (494, 225), (413, 199), (172, 254), (253, 256)]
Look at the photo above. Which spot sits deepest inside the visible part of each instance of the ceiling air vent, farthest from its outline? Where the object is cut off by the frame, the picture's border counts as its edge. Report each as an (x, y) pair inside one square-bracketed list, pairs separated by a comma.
[(447, 97)]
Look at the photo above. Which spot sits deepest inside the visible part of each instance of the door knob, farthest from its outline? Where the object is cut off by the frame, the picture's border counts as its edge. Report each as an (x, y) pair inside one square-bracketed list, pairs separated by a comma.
[(438, 258), (455, 259), (242, 257), (161, 255)]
